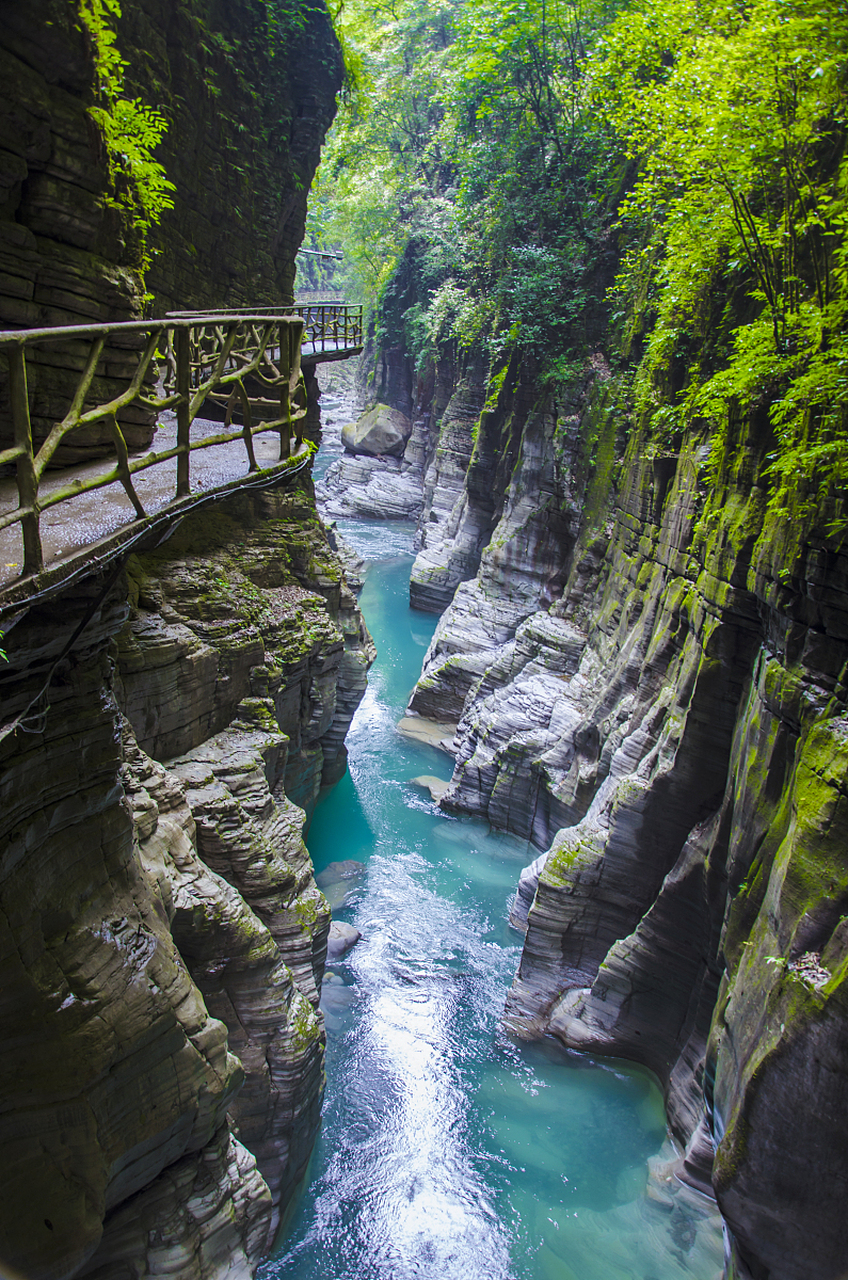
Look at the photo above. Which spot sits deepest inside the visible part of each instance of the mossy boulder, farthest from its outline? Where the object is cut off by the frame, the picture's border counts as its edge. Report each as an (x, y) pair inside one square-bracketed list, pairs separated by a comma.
[(379, 432)]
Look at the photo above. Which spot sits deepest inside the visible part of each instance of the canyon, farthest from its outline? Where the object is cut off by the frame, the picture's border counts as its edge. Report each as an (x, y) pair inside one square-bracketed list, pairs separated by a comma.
[(639, 668), (629, 676)]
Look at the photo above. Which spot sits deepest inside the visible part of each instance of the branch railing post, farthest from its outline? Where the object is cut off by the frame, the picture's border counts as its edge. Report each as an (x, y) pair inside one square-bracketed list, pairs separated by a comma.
[(182, 350), (285, 391), (124, 464), (26, 474)]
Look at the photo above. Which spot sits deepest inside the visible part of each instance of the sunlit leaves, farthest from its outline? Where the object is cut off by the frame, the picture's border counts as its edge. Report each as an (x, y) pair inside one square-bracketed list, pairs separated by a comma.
[(471, 118), (484, 152), (737, 118), (383, 155), (131, 129)]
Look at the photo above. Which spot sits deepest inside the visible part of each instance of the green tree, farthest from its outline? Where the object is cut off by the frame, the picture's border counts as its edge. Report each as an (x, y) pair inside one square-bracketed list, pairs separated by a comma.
[(736, 117), (470, 155)]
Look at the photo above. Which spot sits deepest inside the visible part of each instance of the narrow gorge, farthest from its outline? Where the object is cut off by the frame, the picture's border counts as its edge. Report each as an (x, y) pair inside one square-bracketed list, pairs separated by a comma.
[(594, 460)]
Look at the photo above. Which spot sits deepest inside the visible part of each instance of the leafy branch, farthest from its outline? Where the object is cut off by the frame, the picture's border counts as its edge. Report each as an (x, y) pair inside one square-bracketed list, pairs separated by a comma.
[(131, 130)]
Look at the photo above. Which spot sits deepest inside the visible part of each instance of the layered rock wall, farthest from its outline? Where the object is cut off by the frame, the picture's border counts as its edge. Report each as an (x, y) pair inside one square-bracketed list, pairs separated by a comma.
[(513, 516), (648, 678), (113, 1069), (247, 100), (164, 936), (247, 106)]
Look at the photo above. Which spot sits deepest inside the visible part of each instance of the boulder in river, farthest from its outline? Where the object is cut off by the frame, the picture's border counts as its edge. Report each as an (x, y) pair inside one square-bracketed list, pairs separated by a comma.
[(436, 786), (381, 431), (342, 938), (338, 880), (436, 733)]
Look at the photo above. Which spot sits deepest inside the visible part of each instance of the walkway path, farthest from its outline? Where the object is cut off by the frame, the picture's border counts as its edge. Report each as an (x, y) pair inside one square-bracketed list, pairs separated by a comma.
[(85, 521), (249, 362)]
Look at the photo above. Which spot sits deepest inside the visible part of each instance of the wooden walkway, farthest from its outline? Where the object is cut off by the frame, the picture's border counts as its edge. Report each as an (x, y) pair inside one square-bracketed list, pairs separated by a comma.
[(189, 408)]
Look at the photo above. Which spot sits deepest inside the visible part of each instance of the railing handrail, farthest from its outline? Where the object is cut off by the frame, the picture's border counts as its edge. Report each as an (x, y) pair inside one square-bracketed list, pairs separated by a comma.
[(200, 358), (331, 329), (173, 320), (233, 356), (294, 308)]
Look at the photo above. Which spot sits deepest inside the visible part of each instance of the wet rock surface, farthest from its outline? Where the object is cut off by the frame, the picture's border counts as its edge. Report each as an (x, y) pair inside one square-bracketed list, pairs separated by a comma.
[(452, 527), (209, 1213), (236, 885), (340, 880), (342, 938)]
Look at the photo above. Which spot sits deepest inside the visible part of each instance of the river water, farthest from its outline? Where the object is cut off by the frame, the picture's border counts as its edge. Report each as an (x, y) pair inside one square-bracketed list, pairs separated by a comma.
[(447, 1151)]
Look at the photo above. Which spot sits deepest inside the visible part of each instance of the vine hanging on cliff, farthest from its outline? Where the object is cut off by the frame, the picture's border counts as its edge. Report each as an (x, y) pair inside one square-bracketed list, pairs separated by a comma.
[(131, 130)]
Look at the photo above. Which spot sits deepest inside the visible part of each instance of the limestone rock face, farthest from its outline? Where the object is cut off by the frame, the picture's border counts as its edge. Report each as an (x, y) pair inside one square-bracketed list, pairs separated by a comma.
[(252, 838), (385, 488), (453, 527), (64, 259), (243, 967), (381, 430), (264, 611), (113, 1066), (164, 939), (70, 252), (777, 1046), (370, 488), (653, 693), (207, 1215), (69, 257), (521, 555), (378, 488)]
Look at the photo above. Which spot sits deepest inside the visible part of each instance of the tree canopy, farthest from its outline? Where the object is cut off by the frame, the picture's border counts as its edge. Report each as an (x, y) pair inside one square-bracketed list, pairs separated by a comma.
[(512, 152)]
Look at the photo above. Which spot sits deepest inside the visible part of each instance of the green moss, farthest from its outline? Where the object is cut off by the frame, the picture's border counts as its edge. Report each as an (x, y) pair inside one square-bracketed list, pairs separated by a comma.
[(306, 910), (302, 1024), (600, 429), (731, 1154), (568, 855)]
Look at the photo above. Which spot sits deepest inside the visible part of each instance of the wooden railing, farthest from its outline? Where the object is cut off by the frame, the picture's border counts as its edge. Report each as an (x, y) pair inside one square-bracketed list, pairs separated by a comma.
[(247, 363), (329, 328)]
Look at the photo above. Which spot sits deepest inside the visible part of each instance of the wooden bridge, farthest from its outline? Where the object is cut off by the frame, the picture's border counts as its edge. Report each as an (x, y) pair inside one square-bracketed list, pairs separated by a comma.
[(186, 409)]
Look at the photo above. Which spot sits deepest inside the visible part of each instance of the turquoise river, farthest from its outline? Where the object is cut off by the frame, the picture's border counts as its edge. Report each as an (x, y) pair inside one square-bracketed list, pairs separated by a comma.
[(449, 1152)]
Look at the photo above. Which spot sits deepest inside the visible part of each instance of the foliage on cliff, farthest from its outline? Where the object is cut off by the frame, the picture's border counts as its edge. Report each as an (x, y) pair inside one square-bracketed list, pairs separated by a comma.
[(736, 117), (470, 153), (491, 143), (131, 128), (211, 124)]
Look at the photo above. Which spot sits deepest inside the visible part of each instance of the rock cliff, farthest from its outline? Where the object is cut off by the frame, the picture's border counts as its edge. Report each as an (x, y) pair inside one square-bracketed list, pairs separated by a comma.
[(647, 677), (247, 104), (165, 726), (247, 101), (164, 936)]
